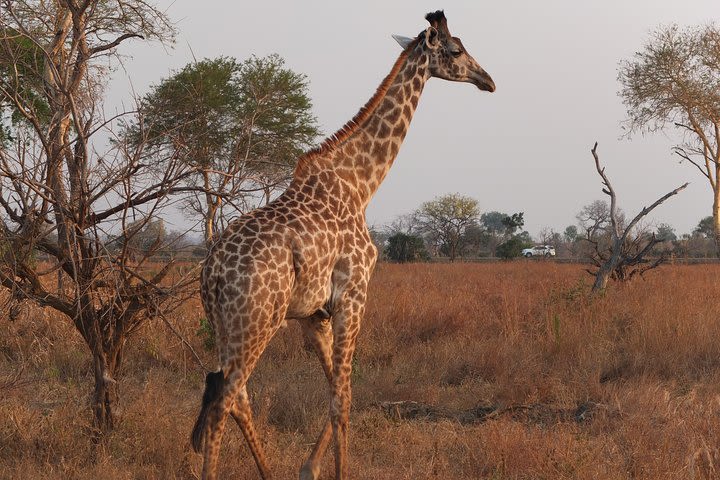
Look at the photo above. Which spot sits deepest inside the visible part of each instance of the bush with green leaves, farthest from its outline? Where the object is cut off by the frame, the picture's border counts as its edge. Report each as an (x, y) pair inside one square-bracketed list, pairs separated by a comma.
[(404, 248), (513, 247)]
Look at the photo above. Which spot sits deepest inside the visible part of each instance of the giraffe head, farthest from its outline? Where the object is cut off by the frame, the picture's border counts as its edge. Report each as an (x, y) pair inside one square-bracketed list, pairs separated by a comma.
[(447, 56)]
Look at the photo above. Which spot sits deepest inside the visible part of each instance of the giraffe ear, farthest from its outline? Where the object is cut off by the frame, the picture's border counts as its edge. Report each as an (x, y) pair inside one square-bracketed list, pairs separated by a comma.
[(403, 41), (431, 38)]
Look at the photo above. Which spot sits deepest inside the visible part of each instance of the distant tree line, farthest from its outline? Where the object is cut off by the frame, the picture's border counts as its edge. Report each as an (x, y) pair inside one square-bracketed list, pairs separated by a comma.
[(453, 227)]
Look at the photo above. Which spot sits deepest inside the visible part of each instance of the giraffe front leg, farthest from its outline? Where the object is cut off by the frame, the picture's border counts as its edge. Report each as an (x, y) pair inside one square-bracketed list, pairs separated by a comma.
[(346, 328), (318, 332)]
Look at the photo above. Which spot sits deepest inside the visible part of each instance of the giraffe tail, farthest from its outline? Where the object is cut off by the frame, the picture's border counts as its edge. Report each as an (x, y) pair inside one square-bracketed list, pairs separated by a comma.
[(214, 382)]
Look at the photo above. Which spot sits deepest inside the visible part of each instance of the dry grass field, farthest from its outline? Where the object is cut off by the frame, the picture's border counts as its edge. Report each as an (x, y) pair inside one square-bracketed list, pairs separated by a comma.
[(516, 371)]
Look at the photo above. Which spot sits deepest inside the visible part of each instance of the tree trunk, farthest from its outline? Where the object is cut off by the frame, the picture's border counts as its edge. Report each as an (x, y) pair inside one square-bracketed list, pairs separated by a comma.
[(603, 274), (104, 396), (267, 193), (105, 337), (209, 224), (601, 278), (213, 204), (716, 220)]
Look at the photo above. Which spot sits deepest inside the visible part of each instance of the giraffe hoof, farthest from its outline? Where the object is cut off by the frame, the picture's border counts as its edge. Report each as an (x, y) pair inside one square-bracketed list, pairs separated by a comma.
[(307, 472)]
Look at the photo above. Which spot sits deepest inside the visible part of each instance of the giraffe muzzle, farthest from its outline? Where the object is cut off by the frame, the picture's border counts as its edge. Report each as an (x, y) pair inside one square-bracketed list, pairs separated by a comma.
[(483, 81)]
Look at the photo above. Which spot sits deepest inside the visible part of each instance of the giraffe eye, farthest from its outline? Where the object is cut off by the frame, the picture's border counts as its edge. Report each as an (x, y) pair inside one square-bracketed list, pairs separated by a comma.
[(456, 53)]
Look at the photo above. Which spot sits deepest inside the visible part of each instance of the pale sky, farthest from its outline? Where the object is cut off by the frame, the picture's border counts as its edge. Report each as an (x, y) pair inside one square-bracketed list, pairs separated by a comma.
[(525, 147)]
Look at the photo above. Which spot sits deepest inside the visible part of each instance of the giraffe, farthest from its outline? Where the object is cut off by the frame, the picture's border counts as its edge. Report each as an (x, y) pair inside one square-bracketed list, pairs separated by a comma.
[(308, 255)]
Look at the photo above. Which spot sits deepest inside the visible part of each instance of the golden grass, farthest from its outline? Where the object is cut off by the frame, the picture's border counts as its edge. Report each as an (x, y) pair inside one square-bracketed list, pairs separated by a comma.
[(534, 379)]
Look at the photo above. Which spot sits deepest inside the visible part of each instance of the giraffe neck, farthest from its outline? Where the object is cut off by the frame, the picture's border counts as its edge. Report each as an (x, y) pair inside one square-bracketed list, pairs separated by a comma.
[(362, 152)]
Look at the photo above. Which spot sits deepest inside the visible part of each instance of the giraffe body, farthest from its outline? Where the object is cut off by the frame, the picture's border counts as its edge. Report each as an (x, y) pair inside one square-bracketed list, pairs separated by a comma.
[(308, 255)]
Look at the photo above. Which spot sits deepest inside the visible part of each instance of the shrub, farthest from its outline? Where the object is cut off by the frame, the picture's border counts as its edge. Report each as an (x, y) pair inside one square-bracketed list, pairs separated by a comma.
[(404, 248), (511, 248)]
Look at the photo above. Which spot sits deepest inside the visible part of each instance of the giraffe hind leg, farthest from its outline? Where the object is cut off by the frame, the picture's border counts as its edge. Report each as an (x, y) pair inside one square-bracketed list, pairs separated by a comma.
[(215, 425), (242, 414), (214, 382), (217, 415)]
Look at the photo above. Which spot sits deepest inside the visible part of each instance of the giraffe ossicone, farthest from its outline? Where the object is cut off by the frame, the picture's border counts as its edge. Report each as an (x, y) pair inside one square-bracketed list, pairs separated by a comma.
[(402, 41), (308, 255)]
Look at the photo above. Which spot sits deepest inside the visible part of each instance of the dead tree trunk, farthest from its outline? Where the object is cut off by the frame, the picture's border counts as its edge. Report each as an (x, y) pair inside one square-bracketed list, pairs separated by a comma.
[(619, 258)]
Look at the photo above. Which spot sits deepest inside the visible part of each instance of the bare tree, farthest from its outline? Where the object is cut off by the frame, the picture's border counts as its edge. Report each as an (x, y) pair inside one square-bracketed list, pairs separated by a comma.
[(548, 236), (71, 201), (407, 224), (594, 217), (624, 257)]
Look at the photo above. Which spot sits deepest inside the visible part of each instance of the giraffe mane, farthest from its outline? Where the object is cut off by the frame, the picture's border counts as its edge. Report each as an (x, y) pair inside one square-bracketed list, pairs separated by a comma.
[(347, 130), (437, 19)]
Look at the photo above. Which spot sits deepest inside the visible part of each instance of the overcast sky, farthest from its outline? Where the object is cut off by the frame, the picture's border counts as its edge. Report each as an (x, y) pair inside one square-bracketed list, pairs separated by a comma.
[(525, 147)]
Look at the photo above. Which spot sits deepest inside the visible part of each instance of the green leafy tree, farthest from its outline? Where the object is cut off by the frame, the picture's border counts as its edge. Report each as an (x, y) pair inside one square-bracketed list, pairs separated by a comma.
[(665, 233), (497, 227), (705, 227), (494, 222), (674, 83), (513, 222), (241, 125), (513, 247), (445, 220), (404, 248), (570, 242), (478, 242), (570, 234), (525, 237), (21, 65)]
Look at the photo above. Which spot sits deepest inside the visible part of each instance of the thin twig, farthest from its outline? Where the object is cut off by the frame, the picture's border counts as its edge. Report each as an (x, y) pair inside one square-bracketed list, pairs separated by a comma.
[(182, 339)]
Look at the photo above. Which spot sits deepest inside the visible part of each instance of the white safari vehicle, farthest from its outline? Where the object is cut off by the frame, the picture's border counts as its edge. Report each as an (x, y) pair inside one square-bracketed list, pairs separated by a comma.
[(539, 251)]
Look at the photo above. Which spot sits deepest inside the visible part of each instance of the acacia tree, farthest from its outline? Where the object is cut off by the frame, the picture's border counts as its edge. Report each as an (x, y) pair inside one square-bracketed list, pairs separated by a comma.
[(674, 83), (242, 126), (446, 219), (705, 227), (64, 194)]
